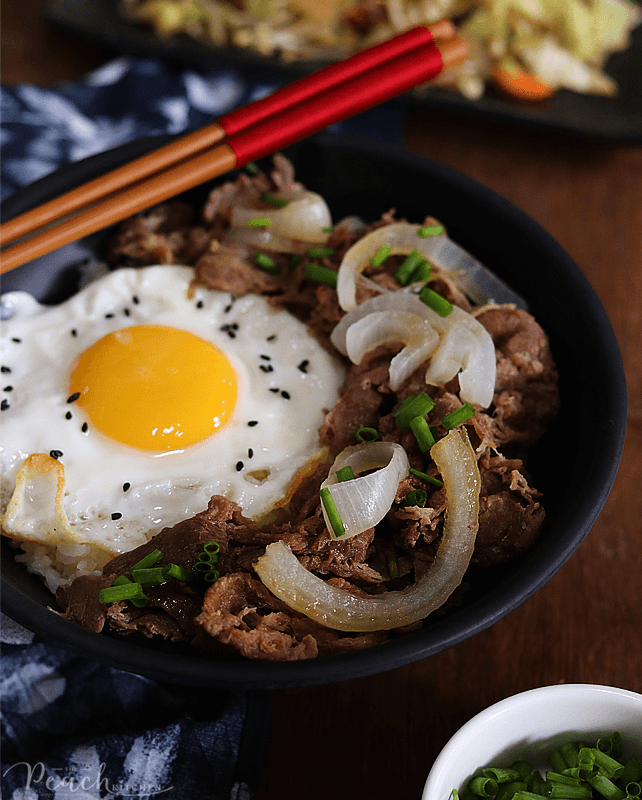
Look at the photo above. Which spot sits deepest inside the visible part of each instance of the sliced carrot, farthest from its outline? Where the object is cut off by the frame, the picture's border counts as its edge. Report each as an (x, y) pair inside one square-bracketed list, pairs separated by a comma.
[(521, 84)]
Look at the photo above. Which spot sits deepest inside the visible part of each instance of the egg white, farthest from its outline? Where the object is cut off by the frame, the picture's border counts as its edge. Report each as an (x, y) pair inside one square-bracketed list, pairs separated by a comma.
[(286, 381)]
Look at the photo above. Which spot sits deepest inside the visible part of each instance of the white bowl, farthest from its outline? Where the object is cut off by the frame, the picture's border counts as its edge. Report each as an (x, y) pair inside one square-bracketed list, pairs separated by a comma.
[(530, 725)]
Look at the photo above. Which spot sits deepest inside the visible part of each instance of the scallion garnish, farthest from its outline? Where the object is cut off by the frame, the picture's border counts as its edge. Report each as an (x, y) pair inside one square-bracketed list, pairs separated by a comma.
[(149, 577), (427, 478), (367, 435), (252, 169), (212, 548), (328, 230), (259, 222), (406, 269), (381, 255), (331, 510), (277, 202), (325, 275), (421, 273), (174, 571), (393, 565), (417, 405), (149, 560), (345, 474), (458, 417), (266, 263), (295, 260), (430, 230), (417, 497), (319, 252), (422, 433), (122, 591), (435, 301)]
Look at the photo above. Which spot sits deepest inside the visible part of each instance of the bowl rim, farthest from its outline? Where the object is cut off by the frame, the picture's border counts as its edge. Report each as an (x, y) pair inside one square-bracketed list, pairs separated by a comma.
[(519, 586)]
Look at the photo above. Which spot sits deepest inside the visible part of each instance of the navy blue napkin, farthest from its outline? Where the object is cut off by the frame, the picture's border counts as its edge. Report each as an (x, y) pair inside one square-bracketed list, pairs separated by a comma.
[(72, 728)]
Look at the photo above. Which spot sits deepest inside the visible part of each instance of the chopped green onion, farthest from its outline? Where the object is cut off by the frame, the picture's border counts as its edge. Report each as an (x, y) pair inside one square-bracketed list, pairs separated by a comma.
[(277, 202), (417, 405), (252, 169), (606, 787), (435, 301), (331, 510), (450, 421), (417, 497), (266, 263), (507, 790), (422, 273), (611, 745), (555, 757), (295, 260), (212, 575), (175, 571), (121, 580), (526, 796), (319, 252), (212, 547), (430, 230), (501, 775), (428, 478), (367, 435), (406, 269), (633, 789), (381, 255), (569, 752), (393, 565), (345, 474), (523, 767), (328, 230), (259, 222), (483, 787), (149, 577), (422, 433), (558, 777), (123, 591), (562, 791), (316, 272), (203, 565), (632, 770), (149, 560)]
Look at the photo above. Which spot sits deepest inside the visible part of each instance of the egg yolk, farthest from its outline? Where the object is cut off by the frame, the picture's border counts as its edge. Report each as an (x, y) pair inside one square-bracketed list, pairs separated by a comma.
[(155, 387)]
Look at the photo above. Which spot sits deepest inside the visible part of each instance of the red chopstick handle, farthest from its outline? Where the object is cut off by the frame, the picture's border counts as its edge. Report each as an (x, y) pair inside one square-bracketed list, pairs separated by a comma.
[(344, 100), (324, 79)]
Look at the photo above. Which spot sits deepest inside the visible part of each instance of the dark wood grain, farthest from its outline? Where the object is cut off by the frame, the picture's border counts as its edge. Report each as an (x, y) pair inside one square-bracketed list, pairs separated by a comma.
[(377, 737)]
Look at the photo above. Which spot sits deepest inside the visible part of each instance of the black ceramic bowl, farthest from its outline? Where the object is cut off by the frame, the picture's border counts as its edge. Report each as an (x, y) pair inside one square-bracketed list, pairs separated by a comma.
[(574, 464)]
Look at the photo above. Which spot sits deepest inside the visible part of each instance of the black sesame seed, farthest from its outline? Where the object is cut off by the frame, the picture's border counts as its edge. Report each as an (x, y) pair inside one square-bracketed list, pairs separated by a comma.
[(135, 300), (274, 390), (85, 427), (126, 486), (126, 312), (15, 339), (74, 332), (4, 405), (234, 326), (73, 397), (271, 338), (266, 358), (266, 367), (225, 327), (109, 316), (239, 466), (303, 366), (227, 308), (285, 395), (250, 453), (68, 415), (116, 515), (253, 422), (231, 334), (5, 369), (8, 389), (56, 453), (200, 304)]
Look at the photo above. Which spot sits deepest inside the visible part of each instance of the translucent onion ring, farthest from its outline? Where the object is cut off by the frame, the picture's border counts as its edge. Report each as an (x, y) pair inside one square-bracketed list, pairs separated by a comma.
[(464, 344), (305, 217), (284, 576), (365, 500)]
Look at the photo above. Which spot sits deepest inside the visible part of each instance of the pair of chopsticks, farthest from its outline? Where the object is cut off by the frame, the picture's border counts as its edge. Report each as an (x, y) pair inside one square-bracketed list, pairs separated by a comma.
[(287, 115)]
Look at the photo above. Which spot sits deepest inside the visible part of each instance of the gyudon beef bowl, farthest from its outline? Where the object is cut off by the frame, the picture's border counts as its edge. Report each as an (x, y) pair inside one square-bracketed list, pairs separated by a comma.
[(380, 408)]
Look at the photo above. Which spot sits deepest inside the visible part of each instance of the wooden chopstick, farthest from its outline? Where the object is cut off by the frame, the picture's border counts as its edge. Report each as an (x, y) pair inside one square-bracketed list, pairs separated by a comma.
[(260, 128)]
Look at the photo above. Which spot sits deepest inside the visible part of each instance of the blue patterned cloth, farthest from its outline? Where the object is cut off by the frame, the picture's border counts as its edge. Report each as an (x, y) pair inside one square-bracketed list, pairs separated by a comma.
[(72, 728)]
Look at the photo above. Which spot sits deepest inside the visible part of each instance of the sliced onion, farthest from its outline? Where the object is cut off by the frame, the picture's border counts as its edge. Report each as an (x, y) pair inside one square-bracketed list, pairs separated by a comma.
[(263, 238), (304, 217), (472, 277), (365, 500), (284, 576), (464, 343), (381, 327)]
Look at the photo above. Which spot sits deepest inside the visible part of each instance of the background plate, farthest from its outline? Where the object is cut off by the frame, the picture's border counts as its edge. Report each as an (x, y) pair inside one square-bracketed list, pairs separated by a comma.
[(616, 118)]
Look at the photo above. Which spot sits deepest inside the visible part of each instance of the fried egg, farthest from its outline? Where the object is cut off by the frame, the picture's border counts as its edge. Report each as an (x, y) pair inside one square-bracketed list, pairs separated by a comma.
[(145, 398)]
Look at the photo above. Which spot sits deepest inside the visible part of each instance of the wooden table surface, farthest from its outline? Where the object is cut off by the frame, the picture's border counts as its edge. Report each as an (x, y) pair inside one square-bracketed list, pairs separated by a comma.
[(377, 737)]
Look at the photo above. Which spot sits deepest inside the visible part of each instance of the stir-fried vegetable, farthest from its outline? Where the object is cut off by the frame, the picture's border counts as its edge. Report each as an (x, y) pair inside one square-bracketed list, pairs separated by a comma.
[(281, 572)]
